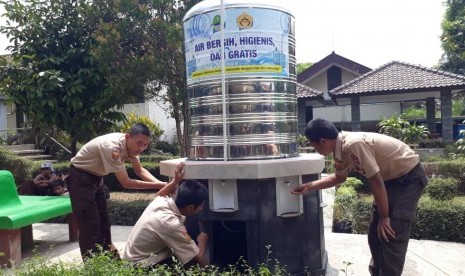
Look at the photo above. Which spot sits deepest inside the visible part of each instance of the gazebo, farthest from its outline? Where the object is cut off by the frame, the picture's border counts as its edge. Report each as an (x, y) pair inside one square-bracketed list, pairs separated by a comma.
[(399, 81)]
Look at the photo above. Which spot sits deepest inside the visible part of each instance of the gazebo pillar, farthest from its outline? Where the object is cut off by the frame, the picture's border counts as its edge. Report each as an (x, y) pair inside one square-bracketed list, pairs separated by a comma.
[(446, 116), (355, 113), (431, 114)]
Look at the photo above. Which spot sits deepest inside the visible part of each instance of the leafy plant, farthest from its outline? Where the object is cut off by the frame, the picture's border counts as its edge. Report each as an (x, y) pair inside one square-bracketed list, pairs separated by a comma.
[(346, 266), (344, 199), (414, 112), (133, 118), (353, 182), (397, 127), (103, 263), (302, 140), (52, 76)]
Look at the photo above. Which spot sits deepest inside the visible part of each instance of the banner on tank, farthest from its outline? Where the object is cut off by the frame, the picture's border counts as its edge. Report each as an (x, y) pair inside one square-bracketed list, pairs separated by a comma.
[(256, 43)]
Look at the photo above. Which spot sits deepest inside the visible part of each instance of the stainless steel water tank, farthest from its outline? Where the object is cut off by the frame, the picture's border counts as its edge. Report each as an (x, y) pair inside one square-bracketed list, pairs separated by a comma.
[(259, 77)]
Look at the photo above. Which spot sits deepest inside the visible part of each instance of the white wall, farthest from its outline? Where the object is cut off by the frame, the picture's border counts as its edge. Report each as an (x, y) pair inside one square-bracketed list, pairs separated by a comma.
[(157, 114), (319, 83), (368, 112)]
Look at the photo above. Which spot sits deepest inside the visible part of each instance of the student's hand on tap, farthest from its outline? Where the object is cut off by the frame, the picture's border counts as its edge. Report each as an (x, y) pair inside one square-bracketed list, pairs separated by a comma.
[(299, 190), (179, 172)]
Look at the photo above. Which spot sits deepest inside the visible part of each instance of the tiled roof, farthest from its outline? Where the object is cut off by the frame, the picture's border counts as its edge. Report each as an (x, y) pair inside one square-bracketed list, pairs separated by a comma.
[(399, 77), (329, 60), (304, 91)]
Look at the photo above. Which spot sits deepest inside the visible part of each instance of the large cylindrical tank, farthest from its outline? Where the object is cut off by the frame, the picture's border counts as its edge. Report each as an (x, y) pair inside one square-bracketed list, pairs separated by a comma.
[(258, 73)]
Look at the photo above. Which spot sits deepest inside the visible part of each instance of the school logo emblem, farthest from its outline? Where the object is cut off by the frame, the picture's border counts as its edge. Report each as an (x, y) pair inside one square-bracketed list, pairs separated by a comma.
[(216, 23), (185, 234), (115, 153), (244, 21)]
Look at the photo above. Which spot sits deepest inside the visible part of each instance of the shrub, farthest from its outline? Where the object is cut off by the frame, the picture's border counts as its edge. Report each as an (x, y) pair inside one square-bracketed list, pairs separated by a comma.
[(19, 167), (435, 220), (126, 208), (102, 263), (353, 182), (413, 112), (301, 140), (365, 187), (448, 168), (155, 129), (155, 158), (343, 201), (361, 210), (442, 188), (398, 127), (440, 220), (166, 147)]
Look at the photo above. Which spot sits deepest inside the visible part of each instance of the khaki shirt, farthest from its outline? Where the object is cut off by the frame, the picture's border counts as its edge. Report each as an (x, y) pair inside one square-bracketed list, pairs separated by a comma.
[(102, 155), (158, 233), (369, 153)]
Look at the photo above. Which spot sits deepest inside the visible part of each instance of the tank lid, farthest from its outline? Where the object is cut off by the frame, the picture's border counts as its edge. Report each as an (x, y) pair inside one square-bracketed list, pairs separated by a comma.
[(210, 5)]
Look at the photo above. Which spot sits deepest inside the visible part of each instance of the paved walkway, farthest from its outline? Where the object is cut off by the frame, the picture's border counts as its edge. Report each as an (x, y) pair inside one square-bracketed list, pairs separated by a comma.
[(424, 258)]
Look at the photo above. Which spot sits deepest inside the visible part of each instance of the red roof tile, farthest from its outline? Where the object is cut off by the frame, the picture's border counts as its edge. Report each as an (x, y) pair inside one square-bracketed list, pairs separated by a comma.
[(304, 91)]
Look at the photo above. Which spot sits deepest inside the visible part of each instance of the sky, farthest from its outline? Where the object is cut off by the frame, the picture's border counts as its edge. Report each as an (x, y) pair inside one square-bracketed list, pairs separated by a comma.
[(369, 32)]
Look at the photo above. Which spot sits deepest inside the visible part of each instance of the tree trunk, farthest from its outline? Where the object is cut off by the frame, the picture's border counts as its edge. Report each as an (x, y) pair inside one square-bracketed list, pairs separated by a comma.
[(73, 145)]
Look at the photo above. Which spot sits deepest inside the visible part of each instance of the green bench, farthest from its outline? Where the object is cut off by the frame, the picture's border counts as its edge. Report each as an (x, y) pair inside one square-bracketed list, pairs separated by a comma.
[(18, 213)]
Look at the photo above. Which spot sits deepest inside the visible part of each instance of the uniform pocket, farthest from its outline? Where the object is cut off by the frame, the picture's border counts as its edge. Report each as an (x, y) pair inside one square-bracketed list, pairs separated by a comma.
[(401, 228)]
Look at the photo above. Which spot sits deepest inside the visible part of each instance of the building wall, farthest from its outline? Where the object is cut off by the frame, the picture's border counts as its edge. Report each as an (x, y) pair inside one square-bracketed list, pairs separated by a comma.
[(368, 112), (157, 114), (348, 76), (319, 82)]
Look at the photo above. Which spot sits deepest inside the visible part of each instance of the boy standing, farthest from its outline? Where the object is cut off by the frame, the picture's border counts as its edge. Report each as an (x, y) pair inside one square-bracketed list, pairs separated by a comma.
[(101, 156), (396, 178)]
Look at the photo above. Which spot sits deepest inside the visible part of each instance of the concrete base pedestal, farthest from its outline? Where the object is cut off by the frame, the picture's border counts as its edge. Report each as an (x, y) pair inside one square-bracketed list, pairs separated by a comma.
[(255, 228)]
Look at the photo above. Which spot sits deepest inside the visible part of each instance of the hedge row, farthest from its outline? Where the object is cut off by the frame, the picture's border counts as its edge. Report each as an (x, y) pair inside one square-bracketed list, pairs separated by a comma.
[(448, 168), (435, 220), (126, 208)]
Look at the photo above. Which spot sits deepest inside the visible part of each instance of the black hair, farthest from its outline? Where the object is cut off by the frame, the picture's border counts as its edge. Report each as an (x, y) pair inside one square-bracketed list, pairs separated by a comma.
[(320, 128), (191, 192), (57, 182), (139, 128)]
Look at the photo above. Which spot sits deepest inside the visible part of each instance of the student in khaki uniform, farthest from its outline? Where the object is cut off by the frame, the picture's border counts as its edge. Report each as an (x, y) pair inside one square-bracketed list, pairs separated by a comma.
[(101, 156), (160, 231), (44, 179), (396, 179)]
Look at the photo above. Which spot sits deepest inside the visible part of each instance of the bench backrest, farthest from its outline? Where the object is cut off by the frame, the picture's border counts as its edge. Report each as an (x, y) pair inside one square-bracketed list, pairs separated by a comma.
[(8, 193)]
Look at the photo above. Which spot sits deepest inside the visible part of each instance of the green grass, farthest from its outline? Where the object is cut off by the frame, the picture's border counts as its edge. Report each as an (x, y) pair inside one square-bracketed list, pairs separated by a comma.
[(103, 264)]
